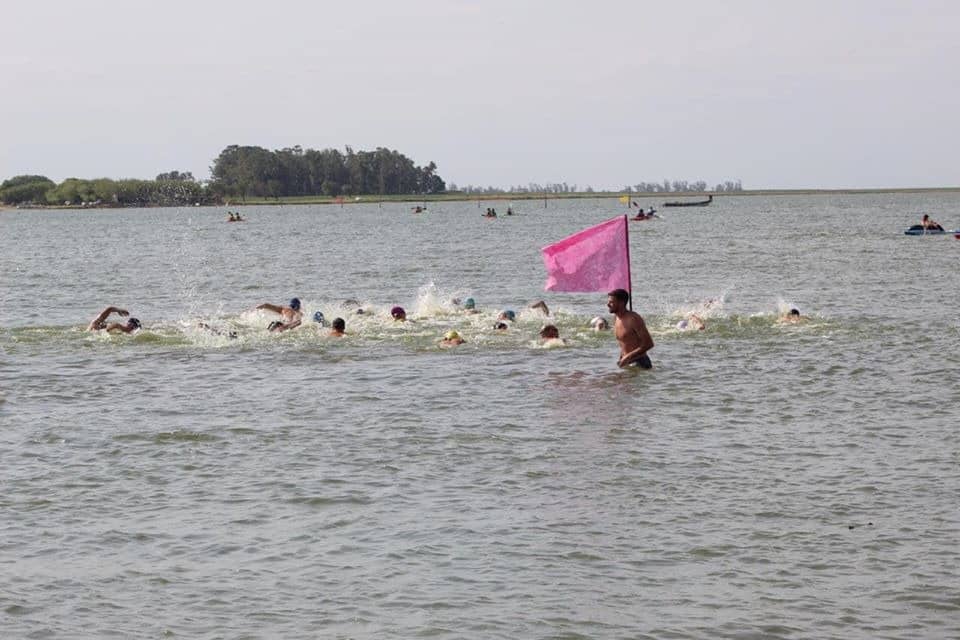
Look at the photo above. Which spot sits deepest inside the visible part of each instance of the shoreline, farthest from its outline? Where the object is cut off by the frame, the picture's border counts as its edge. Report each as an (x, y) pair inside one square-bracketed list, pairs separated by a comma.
[(491, 197)]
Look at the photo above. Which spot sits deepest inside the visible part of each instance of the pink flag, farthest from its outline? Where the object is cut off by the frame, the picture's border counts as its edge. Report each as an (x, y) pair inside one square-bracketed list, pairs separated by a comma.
[(595, 259)]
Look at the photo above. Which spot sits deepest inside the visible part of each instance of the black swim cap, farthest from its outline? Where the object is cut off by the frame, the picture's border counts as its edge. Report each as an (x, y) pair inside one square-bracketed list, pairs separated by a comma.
[(295, 304), (133, 322)]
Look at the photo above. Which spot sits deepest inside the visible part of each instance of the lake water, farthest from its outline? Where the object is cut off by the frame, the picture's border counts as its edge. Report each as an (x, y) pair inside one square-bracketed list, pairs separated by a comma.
[(764, 480)]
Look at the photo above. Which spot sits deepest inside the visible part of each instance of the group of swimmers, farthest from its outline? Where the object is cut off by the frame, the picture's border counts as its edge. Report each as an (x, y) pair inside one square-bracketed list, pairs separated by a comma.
[(234, 217), (629, 327)]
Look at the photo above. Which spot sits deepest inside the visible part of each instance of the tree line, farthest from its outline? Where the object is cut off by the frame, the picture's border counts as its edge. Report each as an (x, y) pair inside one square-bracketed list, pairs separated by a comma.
[(239, 172), (667, 186), (167, 190), (255, 171)]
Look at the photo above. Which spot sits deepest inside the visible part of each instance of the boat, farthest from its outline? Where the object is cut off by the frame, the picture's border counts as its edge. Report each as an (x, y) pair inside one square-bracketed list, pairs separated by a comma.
[(918, 230), (701, 203)]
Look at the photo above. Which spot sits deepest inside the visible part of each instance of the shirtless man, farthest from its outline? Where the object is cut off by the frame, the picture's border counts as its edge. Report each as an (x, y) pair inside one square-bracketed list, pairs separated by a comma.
[(100, 322), (291, 316), (929, 225), (631, 332)]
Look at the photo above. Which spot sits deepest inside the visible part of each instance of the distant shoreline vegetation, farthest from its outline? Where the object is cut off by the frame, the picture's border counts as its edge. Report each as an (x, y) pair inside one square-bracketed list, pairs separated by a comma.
[(239, 173)]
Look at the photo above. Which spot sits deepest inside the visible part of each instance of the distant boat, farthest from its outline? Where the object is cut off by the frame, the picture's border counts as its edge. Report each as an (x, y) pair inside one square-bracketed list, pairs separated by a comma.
[(701, 203)]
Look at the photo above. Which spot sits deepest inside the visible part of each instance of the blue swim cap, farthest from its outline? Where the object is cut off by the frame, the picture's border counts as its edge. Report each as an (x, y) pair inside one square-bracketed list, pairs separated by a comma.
[(295, 304), (509, 315), (469, 303), (318, 317)]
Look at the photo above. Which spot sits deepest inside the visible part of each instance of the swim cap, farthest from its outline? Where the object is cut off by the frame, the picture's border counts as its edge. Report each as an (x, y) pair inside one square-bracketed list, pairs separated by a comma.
[(469, 303), (500, 326), (682, 325), (509, 315), (295, 304), (398, 312), (451, 335), (599, 323), (318, 318), (133, 322)]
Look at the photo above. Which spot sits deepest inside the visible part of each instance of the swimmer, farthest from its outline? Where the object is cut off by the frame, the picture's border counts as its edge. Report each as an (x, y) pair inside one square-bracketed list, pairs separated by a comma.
[(599, 324), (470, 305), (319, 319), (290, 316), (542, 306), (398, 314), (550, 336), (507, 314), (500, 326), (692, 322), (100, 322), (451, 339), (338, 327), (792, 317), (231, 218), (631, 332), (215, 331)]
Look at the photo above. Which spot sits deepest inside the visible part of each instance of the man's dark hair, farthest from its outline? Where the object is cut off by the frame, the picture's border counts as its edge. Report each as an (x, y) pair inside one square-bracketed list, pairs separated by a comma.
[(339, 324), (620, 294)]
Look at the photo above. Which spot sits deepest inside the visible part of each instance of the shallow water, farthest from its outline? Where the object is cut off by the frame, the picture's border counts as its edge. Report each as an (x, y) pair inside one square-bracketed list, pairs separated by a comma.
[(765, 480)]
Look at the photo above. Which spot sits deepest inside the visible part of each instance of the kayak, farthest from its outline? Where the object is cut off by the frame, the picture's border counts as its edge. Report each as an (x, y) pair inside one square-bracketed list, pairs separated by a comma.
[(918, 230)]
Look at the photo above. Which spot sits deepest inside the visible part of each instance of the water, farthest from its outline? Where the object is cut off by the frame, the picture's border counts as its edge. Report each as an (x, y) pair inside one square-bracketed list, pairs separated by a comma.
[(763, 481)]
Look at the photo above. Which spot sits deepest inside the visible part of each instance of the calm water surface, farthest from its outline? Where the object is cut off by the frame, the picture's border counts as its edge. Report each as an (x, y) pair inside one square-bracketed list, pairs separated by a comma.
[(763, 481)]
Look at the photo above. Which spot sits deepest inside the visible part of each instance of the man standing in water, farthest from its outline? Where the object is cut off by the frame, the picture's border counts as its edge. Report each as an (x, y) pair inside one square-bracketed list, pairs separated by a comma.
[(631, 332)]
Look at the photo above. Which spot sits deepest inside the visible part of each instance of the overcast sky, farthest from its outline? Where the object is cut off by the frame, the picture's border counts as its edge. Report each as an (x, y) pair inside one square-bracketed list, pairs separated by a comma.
[(831, 94)]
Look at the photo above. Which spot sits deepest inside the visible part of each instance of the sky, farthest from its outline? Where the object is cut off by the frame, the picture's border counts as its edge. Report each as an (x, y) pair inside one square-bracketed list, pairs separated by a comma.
[(779, 95)]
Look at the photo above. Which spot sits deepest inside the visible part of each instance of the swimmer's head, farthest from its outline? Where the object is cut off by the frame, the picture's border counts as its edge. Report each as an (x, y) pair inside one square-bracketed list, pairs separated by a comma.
[(469, 303), (339, 324), (360, 312), (599, 324), (794, 313), (451, 335), (500, 326), (319, 319), (133, 323), (682, 325), (398, 313), (549, 332), (508, 314), (295, 304)]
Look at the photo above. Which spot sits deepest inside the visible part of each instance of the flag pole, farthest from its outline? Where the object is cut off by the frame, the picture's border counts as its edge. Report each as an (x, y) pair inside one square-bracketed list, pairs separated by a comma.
[(626, 239)]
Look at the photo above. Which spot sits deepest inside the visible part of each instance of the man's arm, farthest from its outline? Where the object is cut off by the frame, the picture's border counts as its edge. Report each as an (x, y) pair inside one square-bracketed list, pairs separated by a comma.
[(97, 322), (270, 307)]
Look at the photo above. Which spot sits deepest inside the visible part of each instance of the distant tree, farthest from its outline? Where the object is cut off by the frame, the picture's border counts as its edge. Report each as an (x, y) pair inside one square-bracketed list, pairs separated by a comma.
[(20, 189), (186, 176)]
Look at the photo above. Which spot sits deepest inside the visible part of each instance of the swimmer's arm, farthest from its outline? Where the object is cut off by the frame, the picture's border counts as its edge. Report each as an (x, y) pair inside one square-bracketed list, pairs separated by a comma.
[(542, 306), (270, 307), (98, 322)]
